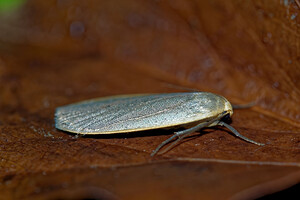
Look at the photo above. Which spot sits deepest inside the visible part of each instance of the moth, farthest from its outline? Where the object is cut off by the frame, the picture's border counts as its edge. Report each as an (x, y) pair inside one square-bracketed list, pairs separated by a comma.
[(132, 113)]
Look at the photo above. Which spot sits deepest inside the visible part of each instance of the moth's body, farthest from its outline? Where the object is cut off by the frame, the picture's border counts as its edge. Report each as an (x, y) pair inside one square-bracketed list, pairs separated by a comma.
[(130, 113), (119, 114)]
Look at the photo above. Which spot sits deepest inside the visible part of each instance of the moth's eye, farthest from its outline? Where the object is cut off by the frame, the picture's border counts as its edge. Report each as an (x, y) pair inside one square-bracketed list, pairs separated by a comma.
[(226, 118)]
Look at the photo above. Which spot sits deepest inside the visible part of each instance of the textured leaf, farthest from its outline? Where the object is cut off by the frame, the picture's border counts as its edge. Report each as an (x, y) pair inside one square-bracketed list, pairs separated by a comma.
[(58, 52)]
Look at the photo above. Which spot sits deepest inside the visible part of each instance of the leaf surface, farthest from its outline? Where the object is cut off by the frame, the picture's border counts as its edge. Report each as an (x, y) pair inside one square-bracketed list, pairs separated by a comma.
[(58, 52)]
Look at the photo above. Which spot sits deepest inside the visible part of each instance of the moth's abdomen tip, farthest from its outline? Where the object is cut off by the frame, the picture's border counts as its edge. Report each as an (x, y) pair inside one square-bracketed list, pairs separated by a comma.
[(58, 124), (60, 120)]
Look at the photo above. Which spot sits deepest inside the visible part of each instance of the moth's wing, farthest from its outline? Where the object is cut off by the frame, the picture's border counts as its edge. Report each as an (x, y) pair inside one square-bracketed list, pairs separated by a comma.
[(133, 113)]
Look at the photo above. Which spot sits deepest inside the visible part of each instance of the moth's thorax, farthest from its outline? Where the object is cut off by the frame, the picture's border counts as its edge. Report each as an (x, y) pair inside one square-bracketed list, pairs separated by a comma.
[(212, 105), (216, 105)]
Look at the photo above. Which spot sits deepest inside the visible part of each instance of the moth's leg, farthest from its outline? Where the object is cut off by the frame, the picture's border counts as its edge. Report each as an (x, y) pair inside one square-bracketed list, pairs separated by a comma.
[(184, 133), (243, 106), (238, 134), (163, 144), (181, 135)]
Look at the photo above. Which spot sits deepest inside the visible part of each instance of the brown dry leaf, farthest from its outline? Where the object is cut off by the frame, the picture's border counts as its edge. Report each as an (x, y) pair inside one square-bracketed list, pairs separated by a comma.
[(58, 52)]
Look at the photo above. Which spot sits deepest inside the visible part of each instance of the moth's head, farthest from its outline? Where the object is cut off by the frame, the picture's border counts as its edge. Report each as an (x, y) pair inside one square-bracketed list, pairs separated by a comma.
[(227, 112), (228, 108)]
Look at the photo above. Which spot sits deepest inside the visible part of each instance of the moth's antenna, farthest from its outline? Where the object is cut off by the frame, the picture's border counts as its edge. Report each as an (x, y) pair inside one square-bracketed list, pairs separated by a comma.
[(243, 106)]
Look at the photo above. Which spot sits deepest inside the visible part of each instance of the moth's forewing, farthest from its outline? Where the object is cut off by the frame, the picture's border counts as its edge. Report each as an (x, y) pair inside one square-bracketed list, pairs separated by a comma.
[(129, 113)]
